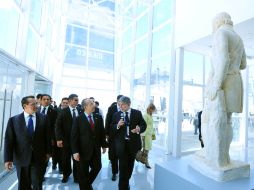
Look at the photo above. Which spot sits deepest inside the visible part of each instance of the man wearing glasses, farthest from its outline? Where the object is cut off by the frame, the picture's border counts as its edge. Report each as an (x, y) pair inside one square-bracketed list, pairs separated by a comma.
[(64, 123), (27, 145)]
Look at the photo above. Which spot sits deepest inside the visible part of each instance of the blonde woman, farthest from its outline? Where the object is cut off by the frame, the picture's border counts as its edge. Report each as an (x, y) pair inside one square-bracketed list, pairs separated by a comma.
[(149, 132)]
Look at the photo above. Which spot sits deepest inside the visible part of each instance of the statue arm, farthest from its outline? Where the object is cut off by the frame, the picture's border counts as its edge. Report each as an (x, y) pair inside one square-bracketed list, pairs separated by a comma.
[(221, 62), (243, 61)]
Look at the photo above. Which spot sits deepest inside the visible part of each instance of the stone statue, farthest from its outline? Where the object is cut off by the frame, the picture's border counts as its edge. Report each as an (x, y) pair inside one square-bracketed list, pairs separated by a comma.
[(223, 96), (224, 89)]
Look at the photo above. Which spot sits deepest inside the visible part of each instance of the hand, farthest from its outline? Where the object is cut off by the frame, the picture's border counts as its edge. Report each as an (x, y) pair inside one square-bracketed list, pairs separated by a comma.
[(136, 130), (47, 157), (8, 165), (103, 150), (59, 143), (212, 93), (120, 123), (76, 156)]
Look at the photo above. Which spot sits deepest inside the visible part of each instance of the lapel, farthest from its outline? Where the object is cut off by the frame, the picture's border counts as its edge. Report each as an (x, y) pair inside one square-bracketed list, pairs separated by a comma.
[(85, 121), (22, 123), (68, 111), (37, 115)]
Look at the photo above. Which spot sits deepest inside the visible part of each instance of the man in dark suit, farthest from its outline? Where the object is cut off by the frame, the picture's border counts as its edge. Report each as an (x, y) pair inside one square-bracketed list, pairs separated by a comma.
[(64, 124), (128, 124), (87, 139), (27, 144), (115, 107), (46, 109)]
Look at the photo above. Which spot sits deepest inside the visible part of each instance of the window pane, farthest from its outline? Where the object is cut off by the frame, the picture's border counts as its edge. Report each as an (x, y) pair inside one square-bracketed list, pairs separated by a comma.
[(127, 37), (160, 71), (9, 19), (100, 60), (161, 40), (192, 103), (35, 13), (75, 55), (76, 35), (32, 49), (142, 26), (107, 4), (141, 50), (101, 41), (162, 12), (193, 68)]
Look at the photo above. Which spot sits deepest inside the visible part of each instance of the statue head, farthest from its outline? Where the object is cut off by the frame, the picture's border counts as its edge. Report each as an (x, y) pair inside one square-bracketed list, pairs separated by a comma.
[(221, 19)]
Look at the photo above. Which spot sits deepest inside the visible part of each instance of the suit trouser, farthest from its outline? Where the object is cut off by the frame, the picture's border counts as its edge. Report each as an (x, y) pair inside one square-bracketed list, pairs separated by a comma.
[(112, 156), (30, 177), (66, 164), (85, 176), (57, 156), (126, 164)]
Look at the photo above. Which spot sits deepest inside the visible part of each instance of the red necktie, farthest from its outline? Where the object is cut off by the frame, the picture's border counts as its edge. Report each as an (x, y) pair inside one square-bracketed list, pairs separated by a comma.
[(91, 121)]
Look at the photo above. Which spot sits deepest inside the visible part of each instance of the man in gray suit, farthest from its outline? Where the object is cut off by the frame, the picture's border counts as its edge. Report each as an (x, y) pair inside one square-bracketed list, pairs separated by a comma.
[(27, 145)]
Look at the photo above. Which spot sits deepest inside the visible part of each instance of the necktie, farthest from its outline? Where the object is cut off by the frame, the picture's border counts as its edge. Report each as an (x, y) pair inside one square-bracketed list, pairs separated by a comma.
[(91, 121), (73, 114), (30, 125), (44, 111), (127, 124), (127, 121)]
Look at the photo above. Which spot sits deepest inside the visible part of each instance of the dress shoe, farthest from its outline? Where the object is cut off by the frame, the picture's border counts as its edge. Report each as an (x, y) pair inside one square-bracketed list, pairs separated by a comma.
[(65, 179), (113, 177)]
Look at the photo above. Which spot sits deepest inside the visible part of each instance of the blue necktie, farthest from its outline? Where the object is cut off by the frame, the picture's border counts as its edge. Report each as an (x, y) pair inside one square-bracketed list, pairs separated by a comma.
[(44, 111), (30, 125)]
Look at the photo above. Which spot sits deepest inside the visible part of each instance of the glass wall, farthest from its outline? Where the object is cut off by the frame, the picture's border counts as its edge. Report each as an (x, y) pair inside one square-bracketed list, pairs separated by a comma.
[(194, 74), (12, 88), (145, 43), (9, 19), (89, 58)]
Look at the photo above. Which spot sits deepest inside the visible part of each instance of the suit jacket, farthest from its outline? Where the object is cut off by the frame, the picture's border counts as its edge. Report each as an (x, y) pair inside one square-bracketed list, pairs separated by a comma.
[(19, 147), (109, 117), (85, 141), (63, 127), (52, 115), (136, 118)]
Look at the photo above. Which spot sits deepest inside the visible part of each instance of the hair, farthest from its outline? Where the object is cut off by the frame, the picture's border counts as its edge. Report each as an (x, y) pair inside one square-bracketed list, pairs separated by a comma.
[(84, 102), (125, 100), (221, 19), (25, 101), (118, 97), (38, 96), (151, 106), (65, 98), (72, 96), (97, 103), (42, 95)]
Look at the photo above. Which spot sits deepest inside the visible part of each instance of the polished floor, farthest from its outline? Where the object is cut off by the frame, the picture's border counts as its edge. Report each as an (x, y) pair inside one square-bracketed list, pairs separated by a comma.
[(142, 178)]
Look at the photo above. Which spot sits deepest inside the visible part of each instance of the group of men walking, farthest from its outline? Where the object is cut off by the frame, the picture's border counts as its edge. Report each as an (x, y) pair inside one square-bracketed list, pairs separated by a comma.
[(73, 135)]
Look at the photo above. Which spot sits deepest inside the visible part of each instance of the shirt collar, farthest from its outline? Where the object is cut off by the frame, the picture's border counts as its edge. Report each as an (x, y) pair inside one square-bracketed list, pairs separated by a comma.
[(71, 108), (27, 114), (88, 114)]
